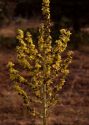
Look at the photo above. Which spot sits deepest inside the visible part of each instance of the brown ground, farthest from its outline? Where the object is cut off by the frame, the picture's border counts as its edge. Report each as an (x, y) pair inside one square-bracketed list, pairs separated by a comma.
[(74, 106), (9, 30)]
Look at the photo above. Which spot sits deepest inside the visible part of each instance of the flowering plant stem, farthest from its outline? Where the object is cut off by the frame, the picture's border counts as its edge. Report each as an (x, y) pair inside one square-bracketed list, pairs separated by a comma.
[(44, 105)]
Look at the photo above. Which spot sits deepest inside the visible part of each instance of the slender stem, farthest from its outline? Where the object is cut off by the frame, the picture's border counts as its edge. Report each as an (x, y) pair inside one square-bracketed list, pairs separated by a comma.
[(44, 105)]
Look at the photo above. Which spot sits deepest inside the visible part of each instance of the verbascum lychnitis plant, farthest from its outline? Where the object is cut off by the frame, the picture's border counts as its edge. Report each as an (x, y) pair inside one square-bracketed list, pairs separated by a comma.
[(44, 67)]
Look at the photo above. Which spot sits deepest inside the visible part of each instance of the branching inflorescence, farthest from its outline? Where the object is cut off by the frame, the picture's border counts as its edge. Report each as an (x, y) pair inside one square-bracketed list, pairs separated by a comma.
[(43, 64)]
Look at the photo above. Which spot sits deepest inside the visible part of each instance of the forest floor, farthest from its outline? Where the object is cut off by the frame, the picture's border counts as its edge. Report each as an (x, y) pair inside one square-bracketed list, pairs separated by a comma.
[(73, 108)]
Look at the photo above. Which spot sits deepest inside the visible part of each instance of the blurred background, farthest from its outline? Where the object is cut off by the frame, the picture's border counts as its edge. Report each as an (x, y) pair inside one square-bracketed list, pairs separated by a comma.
[(26, 14), (73, 108)]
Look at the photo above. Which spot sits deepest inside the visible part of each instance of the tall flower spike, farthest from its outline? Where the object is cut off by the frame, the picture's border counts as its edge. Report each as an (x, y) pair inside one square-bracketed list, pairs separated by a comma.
[(46, 18)]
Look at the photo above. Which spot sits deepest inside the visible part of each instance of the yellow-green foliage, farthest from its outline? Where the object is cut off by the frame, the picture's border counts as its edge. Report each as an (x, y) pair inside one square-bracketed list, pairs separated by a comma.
[(43, 64)]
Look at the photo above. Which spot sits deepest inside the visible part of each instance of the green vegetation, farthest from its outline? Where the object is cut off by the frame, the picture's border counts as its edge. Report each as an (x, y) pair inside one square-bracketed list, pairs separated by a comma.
[(45, 69)]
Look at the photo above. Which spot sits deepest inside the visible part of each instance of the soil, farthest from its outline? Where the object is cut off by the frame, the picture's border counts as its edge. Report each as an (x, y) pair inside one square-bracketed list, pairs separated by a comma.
[(73, 108), (9, 30)]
